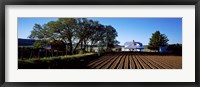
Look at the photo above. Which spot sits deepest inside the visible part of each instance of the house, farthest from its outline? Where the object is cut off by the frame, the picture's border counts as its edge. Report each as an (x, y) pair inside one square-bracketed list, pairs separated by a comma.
[(133, 46), (27, 50), (28, 43)]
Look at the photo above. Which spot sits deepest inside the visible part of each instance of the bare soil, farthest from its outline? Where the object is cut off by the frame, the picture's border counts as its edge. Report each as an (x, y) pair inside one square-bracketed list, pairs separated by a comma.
[(136, 61)]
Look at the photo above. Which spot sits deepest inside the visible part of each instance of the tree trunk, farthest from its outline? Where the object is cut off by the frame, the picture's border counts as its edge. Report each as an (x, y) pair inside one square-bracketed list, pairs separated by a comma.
[(66, 49), (51, 52), (91, 47), (39, 53), (31, 54), (85, 44), (70, 47), (86, 48), (77, 45), (81, 45)]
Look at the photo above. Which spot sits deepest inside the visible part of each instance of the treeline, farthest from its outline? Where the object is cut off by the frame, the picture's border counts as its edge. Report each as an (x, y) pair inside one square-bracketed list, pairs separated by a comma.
[(175, 48), (75, 33), (158, 40)]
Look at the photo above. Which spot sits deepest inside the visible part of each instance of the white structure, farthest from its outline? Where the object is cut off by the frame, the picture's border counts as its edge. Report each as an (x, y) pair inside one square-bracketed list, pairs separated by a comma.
[(133, 46), (96, 49), (163, 49)]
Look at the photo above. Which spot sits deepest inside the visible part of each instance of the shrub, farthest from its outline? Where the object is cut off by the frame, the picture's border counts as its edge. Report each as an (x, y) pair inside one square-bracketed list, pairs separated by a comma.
[(70, 61)]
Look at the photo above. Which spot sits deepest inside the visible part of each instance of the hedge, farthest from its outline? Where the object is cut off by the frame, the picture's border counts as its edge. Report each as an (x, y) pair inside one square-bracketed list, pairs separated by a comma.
[(78, 61)]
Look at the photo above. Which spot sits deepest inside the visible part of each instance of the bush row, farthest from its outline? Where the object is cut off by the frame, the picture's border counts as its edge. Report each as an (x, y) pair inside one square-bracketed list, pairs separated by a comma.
[(60, 62)]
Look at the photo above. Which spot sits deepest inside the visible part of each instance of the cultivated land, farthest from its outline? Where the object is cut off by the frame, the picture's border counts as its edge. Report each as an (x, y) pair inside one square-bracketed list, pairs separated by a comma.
[(114, 60), (129, 60)]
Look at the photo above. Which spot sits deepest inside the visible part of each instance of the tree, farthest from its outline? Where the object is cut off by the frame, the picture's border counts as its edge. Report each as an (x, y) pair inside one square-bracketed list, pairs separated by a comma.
[(110, 36), (39, 44), (157, 40), (86, 29), (175, 48), (74, 32), (97, 36), (116, 42), (63, 29)]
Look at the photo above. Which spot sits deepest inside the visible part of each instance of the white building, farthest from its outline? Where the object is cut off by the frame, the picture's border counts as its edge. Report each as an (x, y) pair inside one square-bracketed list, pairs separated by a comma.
[(132, 46)]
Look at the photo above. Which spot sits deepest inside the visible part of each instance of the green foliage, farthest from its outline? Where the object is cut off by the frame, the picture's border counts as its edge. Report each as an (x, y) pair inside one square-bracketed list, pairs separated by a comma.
[(157, 40), (74, 61), (39, 44), (175, 48), (74, 31), (58, 45), (37, 32), (111, 34), (58, 57)]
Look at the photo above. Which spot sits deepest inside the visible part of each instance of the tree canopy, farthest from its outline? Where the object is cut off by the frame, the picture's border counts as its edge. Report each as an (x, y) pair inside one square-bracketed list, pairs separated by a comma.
[(75, 32), (175, 48), (157, 40)]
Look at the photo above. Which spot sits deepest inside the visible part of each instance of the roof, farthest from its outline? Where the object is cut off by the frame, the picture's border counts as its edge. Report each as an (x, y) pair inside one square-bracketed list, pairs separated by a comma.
[(47, 47), (131, 45), (25, 42)]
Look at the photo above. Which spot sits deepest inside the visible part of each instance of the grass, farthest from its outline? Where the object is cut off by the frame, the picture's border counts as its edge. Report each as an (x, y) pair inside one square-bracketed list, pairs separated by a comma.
[(58, 57), (57, 62)]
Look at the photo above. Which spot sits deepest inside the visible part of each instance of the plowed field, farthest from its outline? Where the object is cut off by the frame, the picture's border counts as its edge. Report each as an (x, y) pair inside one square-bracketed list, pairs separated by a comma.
[(136, 61)]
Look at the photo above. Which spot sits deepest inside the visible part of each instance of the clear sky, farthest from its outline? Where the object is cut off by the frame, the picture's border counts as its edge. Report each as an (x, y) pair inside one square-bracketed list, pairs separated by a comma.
[(138, 29)]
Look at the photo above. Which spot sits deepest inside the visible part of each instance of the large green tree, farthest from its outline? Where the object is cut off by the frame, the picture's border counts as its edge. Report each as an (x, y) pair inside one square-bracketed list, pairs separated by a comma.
[(97, 36), (110, 36), (74, 32), (87, 28), (63, 29), (157, 40)]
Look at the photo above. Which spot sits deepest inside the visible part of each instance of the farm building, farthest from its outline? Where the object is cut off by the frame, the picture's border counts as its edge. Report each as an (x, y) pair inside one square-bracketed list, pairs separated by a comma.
[(27, 50), (133, 46), (163, 49), (28, 43), (95, 49), (25, 43)]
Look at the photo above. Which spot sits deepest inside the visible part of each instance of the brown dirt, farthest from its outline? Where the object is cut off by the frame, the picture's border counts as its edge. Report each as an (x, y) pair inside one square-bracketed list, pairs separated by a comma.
[(136, 61)]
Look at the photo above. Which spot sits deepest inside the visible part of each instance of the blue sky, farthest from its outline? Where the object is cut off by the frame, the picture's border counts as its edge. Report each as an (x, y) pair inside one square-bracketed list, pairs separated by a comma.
[(138, 29)]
